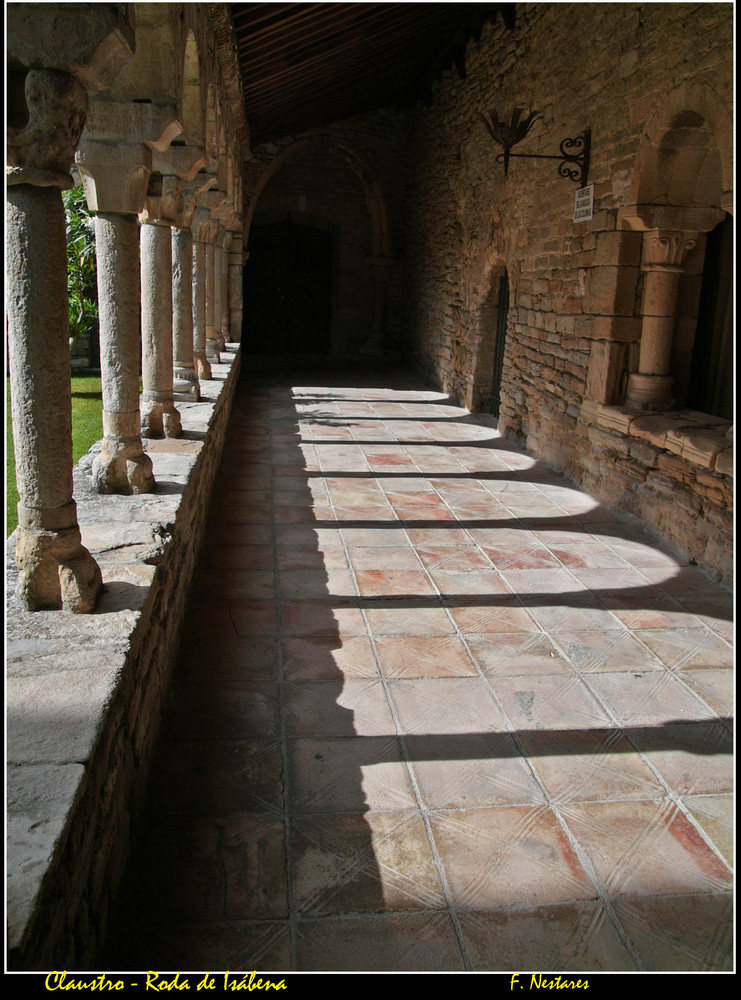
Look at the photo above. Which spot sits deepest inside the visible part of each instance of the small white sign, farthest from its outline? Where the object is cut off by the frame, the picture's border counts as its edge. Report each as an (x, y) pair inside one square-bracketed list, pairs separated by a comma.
[(584, 203)]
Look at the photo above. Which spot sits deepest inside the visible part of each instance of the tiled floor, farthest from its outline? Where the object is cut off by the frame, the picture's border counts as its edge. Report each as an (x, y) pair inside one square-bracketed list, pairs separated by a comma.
[(437, 710)]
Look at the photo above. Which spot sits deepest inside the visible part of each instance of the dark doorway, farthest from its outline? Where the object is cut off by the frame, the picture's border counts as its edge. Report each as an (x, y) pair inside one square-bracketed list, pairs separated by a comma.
[(711, 377), (500, 321), (287, 290)]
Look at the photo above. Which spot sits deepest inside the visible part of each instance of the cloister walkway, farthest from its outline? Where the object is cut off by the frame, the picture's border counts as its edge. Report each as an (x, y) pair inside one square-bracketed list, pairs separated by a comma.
[(436, 709)]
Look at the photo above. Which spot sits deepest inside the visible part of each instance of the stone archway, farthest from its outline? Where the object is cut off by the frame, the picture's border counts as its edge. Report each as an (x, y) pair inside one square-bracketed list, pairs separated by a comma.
[(322, 181)]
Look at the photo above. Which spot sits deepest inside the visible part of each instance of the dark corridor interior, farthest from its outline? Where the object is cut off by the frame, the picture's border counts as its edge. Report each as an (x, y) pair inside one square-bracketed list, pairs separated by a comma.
[(288, 285)]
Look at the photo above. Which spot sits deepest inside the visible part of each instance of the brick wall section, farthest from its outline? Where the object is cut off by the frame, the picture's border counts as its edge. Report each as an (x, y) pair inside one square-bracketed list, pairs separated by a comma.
[(574, 288), (85, 695)]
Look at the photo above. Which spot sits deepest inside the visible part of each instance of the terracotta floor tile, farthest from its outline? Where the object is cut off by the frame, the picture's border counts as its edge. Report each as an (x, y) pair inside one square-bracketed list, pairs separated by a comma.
[(505, 618), (352, 774), (550, 703), (645, 848), (380, 942), (510, 654), (361, 863), (609, 650), (479, 769), (204, 711), (445, 705), (684, 648), (715, 815), (316, 584), (494, 858), (452, 557), (227, 868), (561, 937), (215, 660), (584, 765), (233, 944), (423, 656), (715, 686), (407, 618), (329, 708), (388, 583), (473, 582), (327, 658), (378, 557), (680, 933), (309, 618), (219, 777)]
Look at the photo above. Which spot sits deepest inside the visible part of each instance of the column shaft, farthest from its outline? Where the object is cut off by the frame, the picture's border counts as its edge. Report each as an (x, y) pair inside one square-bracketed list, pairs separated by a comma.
[(55, 570), (121, 465), (212, 350), (184, 373), (202, 366), (159, 416)]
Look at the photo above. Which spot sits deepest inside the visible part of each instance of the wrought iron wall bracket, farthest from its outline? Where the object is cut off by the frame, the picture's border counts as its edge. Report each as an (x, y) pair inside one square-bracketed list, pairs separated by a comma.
[(574, 158)]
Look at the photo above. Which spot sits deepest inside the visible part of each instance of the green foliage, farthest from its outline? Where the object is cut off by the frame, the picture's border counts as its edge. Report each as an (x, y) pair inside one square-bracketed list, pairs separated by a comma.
[(81, 275), (87, 428)]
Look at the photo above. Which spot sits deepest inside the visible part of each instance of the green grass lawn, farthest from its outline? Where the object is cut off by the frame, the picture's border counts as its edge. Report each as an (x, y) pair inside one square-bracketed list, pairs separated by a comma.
[(87, 428)]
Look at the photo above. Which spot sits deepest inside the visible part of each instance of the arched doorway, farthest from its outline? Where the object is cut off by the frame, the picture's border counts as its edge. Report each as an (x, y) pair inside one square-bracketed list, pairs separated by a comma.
[(288, 289)]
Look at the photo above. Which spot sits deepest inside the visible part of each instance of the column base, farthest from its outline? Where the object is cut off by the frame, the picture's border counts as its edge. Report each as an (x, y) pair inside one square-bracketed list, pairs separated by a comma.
[(203, 368), (122, 467), (221, 341), (185, 388), (212, 351), (649, 392), (160, 420), (55, 570)]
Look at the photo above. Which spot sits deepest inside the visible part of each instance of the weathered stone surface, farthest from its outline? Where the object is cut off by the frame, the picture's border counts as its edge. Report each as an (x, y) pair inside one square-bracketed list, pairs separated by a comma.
[(90, 41), (85, 692)]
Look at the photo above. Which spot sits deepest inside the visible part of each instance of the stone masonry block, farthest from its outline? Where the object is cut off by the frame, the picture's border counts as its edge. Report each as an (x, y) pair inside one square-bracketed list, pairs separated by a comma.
[(618, 248), (611, 291), (606, 362), (724, 462), (623, 328)]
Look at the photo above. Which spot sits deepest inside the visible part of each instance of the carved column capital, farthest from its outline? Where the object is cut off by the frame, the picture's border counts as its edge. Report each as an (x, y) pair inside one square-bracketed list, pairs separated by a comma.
[(42, 152), (666, 249)]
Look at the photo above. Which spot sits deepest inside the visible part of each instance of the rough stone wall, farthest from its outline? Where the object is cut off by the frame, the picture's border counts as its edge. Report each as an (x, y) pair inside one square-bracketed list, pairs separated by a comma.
[(608, 67), (85, 694)]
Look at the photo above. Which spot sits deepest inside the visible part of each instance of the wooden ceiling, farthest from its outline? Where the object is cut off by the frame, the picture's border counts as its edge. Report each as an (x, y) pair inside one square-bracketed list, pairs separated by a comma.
[(305, 65)]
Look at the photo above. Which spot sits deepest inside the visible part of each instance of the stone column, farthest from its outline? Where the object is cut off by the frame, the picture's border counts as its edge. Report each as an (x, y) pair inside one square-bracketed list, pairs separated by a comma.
[(55, 569), (218, 292), (212, 347), (121, 465), (669, 233), (236, 265), (115, 163), (224, 329), (185, 378), (662, 262), (202, 366), (159, 416), (179, 166)]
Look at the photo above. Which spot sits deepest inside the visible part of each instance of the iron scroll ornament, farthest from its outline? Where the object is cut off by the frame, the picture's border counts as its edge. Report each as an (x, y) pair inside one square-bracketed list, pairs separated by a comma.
[(574, 152)]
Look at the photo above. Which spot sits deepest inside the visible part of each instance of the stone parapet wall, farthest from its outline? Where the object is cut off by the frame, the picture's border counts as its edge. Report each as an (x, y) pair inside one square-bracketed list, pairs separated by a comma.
[(85, 692), (574, 323)]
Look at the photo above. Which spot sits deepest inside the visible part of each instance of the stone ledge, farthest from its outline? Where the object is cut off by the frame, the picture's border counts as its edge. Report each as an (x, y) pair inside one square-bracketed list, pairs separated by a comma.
[(84, 691), (699, 438)]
